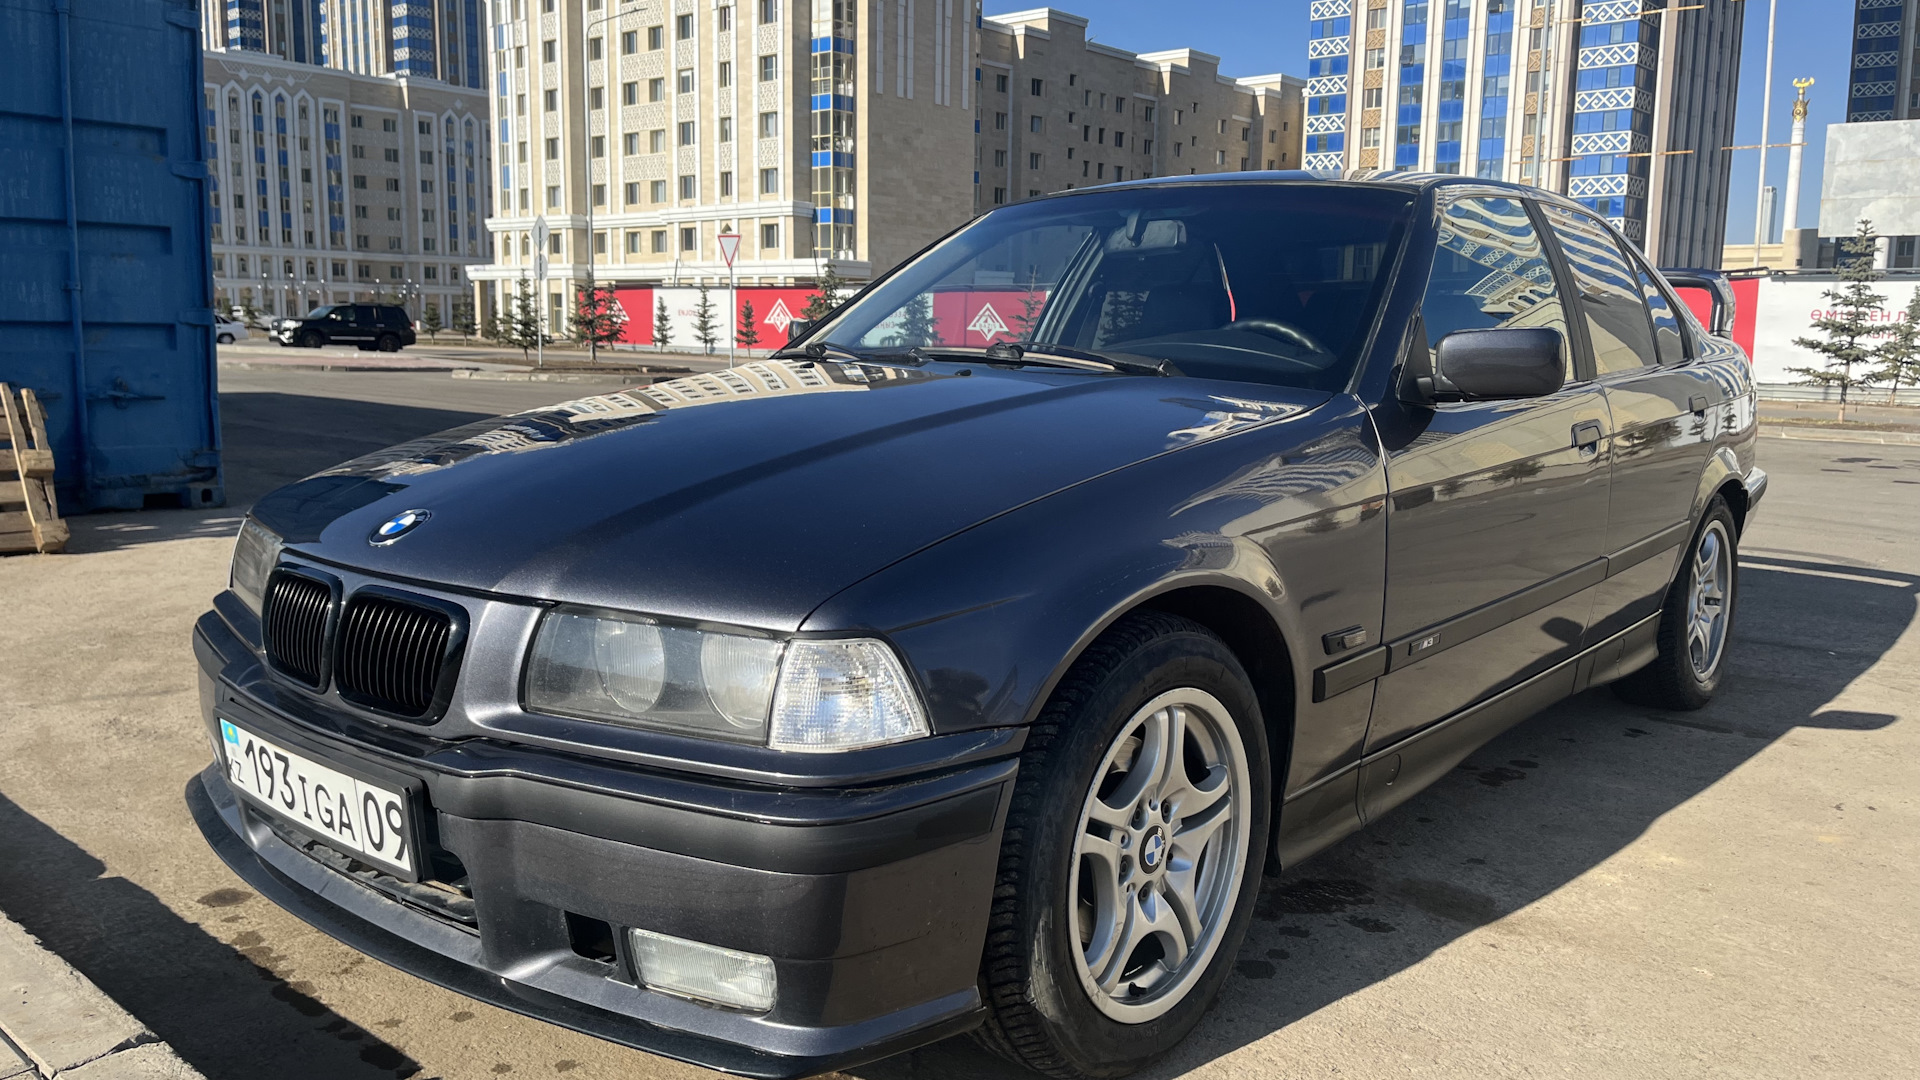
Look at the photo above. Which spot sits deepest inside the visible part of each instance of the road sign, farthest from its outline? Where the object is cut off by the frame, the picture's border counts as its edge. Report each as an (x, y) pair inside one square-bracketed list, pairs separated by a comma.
[(540, 266), (540, 232), (729, 247)]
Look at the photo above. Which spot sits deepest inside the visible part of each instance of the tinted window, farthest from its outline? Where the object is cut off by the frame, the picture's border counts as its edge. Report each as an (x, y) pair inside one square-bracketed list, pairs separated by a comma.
[(1491, 270), (1269, 283), (363, 314), (392, 316), (1609, 293), (1669, 339), (320, 312)]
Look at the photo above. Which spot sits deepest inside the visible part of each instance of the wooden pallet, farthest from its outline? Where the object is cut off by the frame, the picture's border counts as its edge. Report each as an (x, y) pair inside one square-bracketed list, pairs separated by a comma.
[(29, 514)]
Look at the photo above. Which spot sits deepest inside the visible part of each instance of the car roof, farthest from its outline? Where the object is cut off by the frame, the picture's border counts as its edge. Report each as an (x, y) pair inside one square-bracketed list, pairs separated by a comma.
[(1409, 181)]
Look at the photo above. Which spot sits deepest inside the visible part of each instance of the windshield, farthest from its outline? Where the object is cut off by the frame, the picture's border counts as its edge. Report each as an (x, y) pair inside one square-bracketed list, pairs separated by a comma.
[(1272, 283), (320, 312)]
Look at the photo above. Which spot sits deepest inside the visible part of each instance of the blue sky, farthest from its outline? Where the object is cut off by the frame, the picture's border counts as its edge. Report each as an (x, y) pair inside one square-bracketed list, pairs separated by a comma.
[(1257, 37)]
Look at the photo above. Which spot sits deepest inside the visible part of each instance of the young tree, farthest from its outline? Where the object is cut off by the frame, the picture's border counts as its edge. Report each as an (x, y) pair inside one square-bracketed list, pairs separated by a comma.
[(521, 327), (597, 319), (662, 323), (1849, 323), (1030, 305), (250, 314), (705, 330), (463, 319), (1899, 354), (826, 296), (748, 333), (430, 322), (917, 324), (490, 327)]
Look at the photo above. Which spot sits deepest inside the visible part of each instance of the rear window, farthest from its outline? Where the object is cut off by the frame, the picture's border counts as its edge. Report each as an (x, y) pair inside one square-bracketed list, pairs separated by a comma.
[(1275, 283)]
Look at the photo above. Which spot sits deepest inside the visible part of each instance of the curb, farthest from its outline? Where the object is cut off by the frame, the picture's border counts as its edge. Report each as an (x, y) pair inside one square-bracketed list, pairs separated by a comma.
[(435, 368), (1814, 434), (56, 1025), (631, 378)]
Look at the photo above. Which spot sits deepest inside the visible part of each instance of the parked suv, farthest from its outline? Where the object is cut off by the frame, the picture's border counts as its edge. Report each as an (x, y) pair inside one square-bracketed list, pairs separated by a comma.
[(930, 675), (370, 326)]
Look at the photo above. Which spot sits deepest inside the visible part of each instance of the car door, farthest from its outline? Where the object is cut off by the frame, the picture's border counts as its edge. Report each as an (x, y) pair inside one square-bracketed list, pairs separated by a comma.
[(1663, 410), (366, 324), (1498, 509)]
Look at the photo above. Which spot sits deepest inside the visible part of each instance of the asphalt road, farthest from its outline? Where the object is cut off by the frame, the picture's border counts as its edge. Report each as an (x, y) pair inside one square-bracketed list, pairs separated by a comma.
[(1604, 891)]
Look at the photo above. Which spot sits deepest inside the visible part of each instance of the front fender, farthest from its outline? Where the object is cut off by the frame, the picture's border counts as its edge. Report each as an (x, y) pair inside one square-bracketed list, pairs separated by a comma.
[(1287, 516)]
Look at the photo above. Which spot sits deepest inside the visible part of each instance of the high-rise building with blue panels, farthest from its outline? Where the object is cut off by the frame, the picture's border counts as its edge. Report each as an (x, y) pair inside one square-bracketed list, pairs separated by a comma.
[(1881, 84), (1623, 105), (434, 39)]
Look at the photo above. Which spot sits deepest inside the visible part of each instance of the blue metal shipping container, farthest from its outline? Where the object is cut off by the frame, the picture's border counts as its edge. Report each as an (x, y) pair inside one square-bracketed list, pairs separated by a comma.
[(106, 306)]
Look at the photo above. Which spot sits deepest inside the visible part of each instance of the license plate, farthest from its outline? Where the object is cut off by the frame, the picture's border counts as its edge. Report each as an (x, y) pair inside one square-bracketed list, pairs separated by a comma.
[(363, 819)]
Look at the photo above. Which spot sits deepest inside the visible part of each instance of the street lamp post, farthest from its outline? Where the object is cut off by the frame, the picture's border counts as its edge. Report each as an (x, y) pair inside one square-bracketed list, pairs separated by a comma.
[(586, 145)]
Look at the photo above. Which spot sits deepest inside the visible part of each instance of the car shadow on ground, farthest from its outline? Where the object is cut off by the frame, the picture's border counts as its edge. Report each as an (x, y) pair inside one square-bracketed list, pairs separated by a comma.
[(1526, 814), (180, 974)]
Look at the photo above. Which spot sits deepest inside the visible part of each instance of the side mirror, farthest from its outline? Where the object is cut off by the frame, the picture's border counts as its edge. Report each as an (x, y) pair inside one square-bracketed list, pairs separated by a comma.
[(798, 328), (1507, 362)]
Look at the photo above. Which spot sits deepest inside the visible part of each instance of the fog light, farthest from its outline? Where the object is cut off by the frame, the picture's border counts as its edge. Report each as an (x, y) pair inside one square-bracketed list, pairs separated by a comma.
[(739, 980)]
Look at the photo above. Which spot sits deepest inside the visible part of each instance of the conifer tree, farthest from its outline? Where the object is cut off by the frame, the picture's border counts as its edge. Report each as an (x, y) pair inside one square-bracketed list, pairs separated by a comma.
[(1850, 322)]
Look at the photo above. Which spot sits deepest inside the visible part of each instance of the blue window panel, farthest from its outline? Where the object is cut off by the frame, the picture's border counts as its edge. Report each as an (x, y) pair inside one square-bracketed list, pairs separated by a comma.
[(829, 216), (506, 178), (1452, 111), (1406, 155), (823, 159), (1446, 151), (976, 177), (1407, 115)]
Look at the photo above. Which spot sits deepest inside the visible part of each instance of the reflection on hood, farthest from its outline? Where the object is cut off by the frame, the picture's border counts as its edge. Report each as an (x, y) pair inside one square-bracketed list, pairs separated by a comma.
[(552, 425)]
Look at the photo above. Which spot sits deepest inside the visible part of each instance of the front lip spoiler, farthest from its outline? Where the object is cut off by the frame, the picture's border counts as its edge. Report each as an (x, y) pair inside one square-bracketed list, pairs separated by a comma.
[(483, 985)]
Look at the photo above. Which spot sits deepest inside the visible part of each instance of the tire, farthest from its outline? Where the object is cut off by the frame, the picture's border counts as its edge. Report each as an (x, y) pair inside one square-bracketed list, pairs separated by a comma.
[(1065, 872), (387, 343), (224, 339), (310, 339), (1693, 657)]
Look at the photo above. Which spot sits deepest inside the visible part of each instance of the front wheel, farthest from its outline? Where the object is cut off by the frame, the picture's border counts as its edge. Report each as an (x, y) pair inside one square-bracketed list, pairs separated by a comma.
[(310, 339), (1696, 622), (224, 339), (1131, 857), (387, 343)]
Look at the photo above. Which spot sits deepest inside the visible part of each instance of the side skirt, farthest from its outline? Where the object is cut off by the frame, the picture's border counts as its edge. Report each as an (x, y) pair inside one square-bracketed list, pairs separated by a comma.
[(1315, 818)]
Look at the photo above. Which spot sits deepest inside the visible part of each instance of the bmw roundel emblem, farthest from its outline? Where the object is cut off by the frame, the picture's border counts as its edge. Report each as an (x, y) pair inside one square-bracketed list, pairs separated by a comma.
[(398, 526)]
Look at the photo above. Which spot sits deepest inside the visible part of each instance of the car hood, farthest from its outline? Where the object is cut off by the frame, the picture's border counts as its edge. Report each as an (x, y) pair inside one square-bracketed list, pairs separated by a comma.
[(746, 496)]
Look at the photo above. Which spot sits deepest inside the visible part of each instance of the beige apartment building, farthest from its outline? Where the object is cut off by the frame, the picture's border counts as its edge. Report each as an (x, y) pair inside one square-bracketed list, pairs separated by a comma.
[(331, 185), (842, 132)]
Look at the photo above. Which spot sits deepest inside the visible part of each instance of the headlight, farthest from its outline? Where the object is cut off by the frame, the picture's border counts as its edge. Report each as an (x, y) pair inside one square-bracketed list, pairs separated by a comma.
[(810, 696), (254, 553)]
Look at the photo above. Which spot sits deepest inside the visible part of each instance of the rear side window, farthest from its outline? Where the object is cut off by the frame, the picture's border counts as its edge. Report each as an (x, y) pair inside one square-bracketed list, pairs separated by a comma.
[(1616, 315), (1490, 270), (1669, 337)]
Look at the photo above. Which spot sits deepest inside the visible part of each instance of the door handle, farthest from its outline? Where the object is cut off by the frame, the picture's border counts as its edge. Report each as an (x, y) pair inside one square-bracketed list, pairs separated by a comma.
[(1586, 434), (1697, 404)]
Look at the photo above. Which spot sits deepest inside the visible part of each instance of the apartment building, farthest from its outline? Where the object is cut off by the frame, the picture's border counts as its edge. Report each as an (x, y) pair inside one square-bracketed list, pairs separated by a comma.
[(329, 187), (434, 39), (847, 133), (1625, 105), (1882, 81), (330, 184), (1059, 111)]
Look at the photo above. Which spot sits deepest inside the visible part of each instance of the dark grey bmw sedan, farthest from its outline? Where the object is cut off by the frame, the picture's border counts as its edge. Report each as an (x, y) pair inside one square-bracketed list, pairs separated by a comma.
[(949, 673)]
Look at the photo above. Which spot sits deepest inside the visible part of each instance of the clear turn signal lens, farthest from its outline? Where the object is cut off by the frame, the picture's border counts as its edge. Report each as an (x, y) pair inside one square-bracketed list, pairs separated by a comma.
[(843, 695), (739, 980)]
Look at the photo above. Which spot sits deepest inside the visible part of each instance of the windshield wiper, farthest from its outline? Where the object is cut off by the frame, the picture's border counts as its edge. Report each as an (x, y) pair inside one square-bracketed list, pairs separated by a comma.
[(818, 350), (1037, 352)]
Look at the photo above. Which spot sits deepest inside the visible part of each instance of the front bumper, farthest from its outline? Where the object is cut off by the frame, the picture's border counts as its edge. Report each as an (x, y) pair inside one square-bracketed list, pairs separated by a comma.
[(872, 903)]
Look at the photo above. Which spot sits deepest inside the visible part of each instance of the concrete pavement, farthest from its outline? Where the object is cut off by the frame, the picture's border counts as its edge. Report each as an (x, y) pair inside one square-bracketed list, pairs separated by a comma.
[(1605, 891)]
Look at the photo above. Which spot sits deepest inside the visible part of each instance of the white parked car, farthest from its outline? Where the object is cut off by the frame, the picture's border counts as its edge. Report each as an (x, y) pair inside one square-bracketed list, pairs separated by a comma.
[(227, 329)]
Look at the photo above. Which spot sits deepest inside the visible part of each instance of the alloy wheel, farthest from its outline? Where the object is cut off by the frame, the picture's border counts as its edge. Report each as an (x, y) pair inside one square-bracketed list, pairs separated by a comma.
[(1711, 586), (1159, 855)]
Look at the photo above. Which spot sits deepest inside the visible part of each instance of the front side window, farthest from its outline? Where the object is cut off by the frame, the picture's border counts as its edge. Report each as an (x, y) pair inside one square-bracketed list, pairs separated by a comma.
[(1490, 270), (1268, 284), (1616, 316)]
